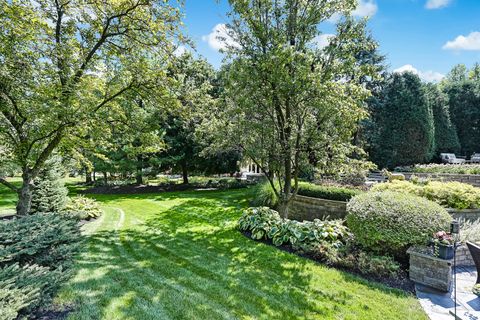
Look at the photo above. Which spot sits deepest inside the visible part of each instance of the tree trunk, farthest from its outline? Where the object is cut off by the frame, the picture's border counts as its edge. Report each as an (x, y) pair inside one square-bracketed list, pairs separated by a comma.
[(25, 194), (88, 176), (184, 172), (283, 206), (139, 176), (105, 178)]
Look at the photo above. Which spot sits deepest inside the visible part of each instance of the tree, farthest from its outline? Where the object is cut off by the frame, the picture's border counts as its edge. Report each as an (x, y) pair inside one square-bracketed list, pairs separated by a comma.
[(405, 126), (49, 193), (64, 61), (464, 101), (193, 90), (284, 94), (446, 139)]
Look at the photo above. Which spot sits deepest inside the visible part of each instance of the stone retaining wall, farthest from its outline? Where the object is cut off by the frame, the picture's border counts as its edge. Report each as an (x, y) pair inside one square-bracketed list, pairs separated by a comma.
[(463, 257), (465, 214), (308, 208), (473, 179)]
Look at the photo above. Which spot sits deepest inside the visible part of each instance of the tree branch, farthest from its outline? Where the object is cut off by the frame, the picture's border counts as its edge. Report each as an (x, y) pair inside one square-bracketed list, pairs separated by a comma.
[(8, 184)]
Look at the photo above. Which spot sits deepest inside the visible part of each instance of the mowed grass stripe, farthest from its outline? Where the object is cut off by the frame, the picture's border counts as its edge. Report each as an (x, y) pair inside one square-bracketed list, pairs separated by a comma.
[(179, 256)]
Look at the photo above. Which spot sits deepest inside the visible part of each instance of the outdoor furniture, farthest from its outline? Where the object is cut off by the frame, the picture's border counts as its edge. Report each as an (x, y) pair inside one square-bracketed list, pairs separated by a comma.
[(475, 251), (451, 158), (475, 158)]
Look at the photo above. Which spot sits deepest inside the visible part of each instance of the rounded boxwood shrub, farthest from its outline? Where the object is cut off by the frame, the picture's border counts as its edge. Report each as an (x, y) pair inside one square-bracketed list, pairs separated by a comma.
[(389, 222)]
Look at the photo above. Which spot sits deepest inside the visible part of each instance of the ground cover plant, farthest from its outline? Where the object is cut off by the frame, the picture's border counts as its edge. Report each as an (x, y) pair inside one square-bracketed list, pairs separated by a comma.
[(454, 195), (36, 258), (180, 255)]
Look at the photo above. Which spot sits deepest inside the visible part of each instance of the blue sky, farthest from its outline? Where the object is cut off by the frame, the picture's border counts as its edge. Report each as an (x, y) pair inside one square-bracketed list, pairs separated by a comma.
[(425, 36)]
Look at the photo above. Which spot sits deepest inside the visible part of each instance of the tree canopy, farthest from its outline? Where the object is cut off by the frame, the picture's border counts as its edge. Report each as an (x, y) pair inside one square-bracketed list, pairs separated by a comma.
[(61, 62)]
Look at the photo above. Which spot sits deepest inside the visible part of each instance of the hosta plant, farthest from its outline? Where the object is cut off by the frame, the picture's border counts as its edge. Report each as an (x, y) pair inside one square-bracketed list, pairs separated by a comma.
[(84, 208), (266, 223)]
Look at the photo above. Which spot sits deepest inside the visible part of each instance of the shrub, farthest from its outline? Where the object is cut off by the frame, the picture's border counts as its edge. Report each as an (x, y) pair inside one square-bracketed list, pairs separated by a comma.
[(83, 208), (368, 263), (36, 255), (266, 223), (389, 222), (26, 288), (448, 194), (470, 230), (49, 193), (49, 240), (264, 195), (442, 168), (327, 192)]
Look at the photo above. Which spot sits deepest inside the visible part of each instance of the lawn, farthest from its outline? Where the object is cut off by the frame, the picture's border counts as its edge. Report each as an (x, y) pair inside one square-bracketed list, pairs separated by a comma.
[(180, 256)]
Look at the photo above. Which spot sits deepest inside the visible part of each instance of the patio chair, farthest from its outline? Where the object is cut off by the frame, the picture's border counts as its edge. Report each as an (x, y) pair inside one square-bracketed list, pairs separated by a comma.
[(475, 251)]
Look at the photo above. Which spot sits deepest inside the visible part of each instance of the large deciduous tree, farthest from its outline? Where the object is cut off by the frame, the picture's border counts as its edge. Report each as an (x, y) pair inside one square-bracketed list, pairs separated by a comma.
[(194, 92), (61, 61), (286, 97)]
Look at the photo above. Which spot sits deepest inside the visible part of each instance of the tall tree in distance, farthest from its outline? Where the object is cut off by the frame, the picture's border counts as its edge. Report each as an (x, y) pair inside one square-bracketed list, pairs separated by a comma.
[(404, 124), (463, 93), (446, 139), (193, 90), (284, 94), (63, 61)]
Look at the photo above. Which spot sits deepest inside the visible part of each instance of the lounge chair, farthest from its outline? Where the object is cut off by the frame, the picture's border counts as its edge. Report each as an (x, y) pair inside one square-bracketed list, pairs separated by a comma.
[(475, 251)]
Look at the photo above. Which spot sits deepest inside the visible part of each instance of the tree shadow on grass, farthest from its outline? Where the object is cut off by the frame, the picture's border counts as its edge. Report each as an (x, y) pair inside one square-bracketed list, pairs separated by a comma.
[(190, 262)]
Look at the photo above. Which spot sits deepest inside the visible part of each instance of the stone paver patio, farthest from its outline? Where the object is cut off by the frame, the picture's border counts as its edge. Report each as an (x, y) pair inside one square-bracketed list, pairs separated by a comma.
[(438, 305)]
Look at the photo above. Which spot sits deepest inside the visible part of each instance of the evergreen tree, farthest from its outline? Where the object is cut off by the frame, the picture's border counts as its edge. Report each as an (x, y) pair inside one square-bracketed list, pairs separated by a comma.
[(446, 139), (404, 124), (49, 193)]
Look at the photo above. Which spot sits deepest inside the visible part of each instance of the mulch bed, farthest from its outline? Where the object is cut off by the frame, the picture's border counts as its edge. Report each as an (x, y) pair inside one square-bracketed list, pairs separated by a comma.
[(137, 189), (401, 282), (54, 313)]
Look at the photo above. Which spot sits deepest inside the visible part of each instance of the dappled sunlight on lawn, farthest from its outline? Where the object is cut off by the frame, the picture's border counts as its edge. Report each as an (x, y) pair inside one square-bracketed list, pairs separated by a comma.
[(180, 256)]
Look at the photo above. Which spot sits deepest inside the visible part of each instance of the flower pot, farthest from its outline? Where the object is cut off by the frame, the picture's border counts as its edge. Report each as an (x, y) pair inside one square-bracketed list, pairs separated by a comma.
[(445, 251)]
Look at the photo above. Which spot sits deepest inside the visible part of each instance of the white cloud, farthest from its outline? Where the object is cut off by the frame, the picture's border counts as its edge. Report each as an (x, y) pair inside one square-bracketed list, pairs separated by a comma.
[(219, 38), (429, 76), (470, 42), (323, 40), (437, 4), (365, 8)]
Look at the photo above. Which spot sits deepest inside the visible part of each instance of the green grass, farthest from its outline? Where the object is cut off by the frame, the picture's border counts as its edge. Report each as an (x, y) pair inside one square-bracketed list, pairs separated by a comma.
[(8, 198), (180, 256)]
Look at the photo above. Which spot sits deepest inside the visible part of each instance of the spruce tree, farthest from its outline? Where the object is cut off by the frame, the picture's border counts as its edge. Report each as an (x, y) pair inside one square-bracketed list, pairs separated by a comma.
[(49, 193)]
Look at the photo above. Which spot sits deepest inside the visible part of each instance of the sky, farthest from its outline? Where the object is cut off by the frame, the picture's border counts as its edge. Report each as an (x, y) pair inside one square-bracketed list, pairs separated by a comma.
[(427, 37)]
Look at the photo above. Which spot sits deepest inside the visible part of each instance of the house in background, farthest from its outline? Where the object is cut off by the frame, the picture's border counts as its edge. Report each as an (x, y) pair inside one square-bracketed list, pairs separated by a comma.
[(249, 170)]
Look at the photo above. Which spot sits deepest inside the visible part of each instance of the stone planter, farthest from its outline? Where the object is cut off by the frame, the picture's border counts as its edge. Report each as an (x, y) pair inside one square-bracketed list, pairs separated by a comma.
[(429, 270), (434, 272)]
